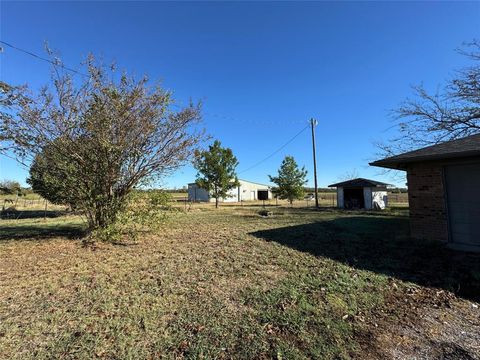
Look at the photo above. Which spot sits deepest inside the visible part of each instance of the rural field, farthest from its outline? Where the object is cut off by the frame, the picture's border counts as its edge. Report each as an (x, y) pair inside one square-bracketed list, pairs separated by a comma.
[(229, 283), (326, 199), (158, 126)]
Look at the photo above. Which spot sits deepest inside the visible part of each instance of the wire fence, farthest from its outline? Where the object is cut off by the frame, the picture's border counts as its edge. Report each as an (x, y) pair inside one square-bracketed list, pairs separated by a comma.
[(325, 200), (21, 207), (17, 207), (401, 198)]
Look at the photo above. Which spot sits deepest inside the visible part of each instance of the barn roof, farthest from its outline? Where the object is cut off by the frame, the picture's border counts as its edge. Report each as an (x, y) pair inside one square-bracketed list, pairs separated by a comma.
[(253, 182), (465, 147), (247, 181), (359, 182)]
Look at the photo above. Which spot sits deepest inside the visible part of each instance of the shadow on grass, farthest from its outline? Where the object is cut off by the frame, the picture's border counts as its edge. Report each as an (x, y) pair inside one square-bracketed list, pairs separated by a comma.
[(381, 245), (29, 214), (24, 232)]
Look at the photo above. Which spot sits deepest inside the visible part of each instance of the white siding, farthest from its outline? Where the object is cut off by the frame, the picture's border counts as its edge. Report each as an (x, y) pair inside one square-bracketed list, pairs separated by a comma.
[(233, 196), (367, 197), (247, 191), (379, 199), (340, 199)]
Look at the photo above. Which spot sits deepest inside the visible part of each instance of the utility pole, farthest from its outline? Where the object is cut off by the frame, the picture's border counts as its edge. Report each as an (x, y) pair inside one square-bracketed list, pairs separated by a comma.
[(314, 123)]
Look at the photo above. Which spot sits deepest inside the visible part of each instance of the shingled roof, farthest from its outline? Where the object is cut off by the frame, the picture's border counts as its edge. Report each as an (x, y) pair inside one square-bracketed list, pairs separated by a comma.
[(359, 182), (465, 147)]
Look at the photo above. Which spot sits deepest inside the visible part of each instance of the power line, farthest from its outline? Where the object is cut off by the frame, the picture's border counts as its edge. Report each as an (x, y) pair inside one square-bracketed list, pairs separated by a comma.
[(42, 58), (214, 115), (276, 151), (181, 105)]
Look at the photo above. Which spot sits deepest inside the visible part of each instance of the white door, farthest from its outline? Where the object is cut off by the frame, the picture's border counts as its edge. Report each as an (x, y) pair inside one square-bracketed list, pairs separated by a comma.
[(252, 197)]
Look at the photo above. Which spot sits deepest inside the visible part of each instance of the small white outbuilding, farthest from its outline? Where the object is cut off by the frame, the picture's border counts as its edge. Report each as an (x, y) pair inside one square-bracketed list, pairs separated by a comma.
[(361, 194), (246, 191)]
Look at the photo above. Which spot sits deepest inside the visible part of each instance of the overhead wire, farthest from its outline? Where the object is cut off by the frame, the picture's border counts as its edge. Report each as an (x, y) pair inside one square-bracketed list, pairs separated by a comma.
[(215, 115), (275, 152), (42, 58)]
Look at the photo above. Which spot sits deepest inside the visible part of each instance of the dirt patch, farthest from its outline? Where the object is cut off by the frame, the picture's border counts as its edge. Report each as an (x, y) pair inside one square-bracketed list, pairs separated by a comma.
[(426, 323)]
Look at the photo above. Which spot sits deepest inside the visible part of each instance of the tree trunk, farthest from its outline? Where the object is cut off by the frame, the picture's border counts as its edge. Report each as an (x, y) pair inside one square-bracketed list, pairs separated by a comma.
[(216, 203)]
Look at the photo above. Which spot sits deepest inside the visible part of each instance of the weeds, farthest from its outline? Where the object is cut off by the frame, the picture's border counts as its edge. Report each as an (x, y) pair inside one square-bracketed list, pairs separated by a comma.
[(216, 284)]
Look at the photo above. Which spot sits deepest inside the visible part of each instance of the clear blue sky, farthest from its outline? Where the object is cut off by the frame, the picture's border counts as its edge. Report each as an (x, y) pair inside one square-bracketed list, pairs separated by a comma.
[(262, 69)]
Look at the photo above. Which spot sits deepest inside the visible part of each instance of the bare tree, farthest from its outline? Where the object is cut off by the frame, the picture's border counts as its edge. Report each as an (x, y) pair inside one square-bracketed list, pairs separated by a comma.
[(349, 175), (113, 132), (453, 112)]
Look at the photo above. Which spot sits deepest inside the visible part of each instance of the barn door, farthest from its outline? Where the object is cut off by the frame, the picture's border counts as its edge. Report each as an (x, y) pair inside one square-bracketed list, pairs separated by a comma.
[(463, 203)]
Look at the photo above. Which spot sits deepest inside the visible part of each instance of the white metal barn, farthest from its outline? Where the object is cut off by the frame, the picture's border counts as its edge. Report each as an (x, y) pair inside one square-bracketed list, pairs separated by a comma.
[(361, 194), (247, 191)]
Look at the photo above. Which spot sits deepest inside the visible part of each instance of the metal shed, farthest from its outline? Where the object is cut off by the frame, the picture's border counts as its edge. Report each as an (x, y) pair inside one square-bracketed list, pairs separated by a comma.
[(361, 194), (247, 191)]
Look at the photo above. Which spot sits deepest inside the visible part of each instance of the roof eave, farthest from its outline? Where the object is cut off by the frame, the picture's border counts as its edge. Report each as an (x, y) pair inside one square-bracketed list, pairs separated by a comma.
[(402, 164), (394, 165), (354, 183)]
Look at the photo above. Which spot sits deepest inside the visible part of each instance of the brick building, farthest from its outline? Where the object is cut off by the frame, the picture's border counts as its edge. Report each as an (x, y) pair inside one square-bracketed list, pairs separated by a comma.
[(443, 191)]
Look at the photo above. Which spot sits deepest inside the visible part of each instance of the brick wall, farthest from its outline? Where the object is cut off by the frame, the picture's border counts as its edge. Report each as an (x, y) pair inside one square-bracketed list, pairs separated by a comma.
[(426, 195)]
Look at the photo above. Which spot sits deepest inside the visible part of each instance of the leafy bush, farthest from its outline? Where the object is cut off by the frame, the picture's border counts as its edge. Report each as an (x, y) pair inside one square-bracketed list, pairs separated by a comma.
[(92, 140), (145, 211)]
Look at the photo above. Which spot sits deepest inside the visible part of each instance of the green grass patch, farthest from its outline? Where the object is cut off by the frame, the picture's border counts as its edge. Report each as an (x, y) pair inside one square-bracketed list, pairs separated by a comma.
[(37, 227), (225, 283)]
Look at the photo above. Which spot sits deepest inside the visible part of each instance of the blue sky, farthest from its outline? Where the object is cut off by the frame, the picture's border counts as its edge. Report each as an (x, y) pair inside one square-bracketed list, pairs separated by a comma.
[(262, 69)]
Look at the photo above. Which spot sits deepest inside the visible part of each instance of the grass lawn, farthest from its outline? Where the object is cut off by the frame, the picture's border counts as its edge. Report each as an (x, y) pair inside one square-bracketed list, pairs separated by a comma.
[(229, 283)]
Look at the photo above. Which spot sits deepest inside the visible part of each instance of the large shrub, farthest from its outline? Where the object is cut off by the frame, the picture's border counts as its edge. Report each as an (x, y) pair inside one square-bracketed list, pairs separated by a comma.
[(92, 140)]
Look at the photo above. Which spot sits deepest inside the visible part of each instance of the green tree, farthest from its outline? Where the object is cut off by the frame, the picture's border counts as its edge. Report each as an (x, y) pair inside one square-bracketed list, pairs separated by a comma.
[(56, 179), (95, 138), (290, 180), (216, 170)]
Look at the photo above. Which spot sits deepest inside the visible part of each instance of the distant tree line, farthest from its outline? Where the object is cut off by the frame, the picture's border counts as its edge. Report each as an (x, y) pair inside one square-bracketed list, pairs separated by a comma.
[(12, 187), (181, 190)]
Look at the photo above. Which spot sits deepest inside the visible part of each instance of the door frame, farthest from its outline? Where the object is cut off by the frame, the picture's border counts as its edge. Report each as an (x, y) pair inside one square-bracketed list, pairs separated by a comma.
[(450, 242)]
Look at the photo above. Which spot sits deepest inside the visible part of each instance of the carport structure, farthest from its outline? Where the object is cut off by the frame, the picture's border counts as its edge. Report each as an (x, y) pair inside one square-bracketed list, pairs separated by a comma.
[(361, 193)]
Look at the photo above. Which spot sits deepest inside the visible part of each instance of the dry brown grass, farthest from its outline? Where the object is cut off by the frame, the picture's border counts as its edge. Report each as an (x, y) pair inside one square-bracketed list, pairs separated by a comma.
[(211, 284)]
